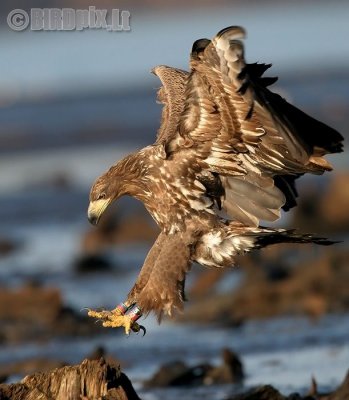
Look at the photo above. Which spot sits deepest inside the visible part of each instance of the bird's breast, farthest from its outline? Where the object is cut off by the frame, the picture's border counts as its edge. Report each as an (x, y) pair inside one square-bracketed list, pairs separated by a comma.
[(175, 195)]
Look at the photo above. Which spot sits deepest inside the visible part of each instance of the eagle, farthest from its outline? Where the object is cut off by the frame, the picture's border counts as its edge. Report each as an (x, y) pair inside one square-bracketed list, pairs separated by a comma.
[(226, 156)]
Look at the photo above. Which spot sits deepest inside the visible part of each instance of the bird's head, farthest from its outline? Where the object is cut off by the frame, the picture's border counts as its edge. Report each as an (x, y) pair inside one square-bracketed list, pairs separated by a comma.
[(121, 179), (106, 189)]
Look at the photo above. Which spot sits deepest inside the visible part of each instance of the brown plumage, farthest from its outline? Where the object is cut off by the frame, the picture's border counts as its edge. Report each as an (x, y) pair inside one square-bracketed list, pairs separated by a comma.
[(225, 142)]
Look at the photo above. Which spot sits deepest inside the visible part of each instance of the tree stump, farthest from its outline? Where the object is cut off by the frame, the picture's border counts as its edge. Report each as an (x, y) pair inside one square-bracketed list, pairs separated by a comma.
[(90, 380)]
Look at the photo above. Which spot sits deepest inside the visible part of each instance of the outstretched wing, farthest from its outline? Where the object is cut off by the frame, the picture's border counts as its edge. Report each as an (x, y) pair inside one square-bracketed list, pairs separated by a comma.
[(171, 95), (255, 141)]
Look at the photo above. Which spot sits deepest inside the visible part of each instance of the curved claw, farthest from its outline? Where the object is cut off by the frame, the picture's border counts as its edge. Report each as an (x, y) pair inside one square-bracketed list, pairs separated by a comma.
[(137, 328), (142, 328)]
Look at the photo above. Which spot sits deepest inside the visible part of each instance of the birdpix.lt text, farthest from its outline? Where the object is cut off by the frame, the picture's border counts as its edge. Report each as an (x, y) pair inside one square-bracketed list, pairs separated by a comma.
[(69, 19)]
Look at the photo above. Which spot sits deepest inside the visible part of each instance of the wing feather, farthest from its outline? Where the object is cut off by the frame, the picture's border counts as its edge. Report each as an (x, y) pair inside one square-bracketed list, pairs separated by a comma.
[(240, 130), (171, 95)]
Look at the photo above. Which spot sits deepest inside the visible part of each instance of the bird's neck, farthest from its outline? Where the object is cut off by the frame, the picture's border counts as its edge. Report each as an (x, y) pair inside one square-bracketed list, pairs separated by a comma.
[(132, 174)]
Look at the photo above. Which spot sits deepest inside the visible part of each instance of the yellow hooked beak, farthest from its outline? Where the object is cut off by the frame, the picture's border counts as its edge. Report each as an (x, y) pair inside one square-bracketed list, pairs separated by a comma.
[(96, 209)]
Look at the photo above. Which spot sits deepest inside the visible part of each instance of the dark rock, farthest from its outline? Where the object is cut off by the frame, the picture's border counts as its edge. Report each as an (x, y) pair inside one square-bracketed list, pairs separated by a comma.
[(269, 393), (167, 374), (230, 371), (276, 272), (192, 376), (261, 393), (92, 263), (8, 246), (177, 373), (296, 396), (341, 393), (33, 313)]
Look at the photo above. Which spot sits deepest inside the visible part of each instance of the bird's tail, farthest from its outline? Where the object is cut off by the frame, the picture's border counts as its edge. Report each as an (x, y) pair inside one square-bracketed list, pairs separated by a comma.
[(290, 236)]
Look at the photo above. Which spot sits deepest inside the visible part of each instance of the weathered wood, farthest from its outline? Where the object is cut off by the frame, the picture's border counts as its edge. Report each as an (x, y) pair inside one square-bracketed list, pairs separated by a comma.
[(90, 380)]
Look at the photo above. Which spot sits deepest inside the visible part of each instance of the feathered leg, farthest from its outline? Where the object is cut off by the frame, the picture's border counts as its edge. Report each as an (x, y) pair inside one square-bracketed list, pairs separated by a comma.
[(127, 313), (164, 290)]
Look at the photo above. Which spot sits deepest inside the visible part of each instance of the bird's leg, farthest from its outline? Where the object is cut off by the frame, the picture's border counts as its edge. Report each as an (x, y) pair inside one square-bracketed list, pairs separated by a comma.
[(124, 314)]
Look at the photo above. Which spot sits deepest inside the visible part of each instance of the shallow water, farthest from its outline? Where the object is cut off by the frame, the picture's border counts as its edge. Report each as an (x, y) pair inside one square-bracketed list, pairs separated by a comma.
[(284, 352)]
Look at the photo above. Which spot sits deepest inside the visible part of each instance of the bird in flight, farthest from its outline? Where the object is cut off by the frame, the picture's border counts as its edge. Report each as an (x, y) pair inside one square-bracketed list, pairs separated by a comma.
[(226, 156)]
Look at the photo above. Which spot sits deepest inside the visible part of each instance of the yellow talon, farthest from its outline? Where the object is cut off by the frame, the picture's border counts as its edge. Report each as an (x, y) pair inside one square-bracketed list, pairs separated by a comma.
[(99, 314), (116, 318), (117, 321)]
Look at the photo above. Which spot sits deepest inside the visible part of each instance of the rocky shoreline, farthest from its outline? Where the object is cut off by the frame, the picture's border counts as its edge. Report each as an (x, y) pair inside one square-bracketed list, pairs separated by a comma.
[(102, 380)]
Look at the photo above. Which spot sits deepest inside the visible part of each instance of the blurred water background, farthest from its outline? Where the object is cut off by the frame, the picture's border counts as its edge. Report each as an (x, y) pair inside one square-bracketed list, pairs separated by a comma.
[(72, 103)]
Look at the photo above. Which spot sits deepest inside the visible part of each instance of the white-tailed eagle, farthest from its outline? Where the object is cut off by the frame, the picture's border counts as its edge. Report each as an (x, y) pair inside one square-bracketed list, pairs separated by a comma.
[(226, 156)]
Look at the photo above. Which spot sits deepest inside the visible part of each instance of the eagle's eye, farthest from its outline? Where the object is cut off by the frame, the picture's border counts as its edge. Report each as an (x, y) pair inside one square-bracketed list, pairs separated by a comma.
[(101, 196)]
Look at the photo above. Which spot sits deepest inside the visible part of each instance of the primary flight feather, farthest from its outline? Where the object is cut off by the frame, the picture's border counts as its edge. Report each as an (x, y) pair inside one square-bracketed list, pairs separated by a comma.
[(226, 157)]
